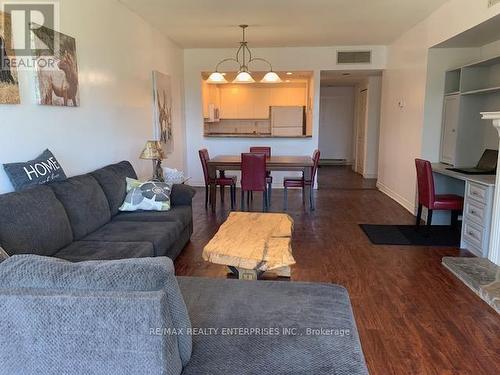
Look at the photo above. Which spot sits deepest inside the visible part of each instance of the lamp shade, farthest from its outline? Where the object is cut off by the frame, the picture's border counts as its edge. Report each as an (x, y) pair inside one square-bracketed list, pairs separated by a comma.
[(216, 78), (271, 77), (243, 77), (153, 151)]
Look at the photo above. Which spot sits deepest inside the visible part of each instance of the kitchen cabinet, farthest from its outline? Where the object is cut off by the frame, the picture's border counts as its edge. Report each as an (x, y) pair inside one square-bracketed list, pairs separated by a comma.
[(240, 102)]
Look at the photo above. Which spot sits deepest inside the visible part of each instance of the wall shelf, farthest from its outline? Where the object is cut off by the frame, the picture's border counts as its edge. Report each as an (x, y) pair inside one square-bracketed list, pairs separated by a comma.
[(489, 90), (478, 78)]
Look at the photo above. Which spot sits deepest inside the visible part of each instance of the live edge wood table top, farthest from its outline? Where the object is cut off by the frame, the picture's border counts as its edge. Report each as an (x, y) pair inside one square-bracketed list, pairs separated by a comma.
[(252, 243)]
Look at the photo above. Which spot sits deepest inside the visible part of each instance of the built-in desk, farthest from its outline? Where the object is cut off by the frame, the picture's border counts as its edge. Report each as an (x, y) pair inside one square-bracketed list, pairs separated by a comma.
[(478, 192)]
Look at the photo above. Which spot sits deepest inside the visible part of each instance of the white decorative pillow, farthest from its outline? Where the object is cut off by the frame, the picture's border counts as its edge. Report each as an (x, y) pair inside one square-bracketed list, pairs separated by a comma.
[(147, 196), (3, 255)]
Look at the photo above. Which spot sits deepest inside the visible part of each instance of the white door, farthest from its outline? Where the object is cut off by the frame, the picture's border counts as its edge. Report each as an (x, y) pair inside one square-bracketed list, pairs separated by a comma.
[(361, 131), (451, 113), (336, 124)]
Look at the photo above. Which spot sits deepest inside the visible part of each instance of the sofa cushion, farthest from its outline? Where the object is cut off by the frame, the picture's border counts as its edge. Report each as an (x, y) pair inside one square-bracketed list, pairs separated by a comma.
[(43, 169), (112, 181), (85, 203), (33, 221), (81, 251), (128, 275), (322, 336), (183, 214), (162, 235)]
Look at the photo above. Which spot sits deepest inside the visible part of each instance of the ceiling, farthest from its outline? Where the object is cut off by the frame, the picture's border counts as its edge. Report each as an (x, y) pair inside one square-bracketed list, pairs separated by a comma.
[(283, 23)]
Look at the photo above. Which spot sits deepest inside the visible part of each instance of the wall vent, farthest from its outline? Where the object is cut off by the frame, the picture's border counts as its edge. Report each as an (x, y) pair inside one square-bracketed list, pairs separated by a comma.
[(493, 2), (355, 57)]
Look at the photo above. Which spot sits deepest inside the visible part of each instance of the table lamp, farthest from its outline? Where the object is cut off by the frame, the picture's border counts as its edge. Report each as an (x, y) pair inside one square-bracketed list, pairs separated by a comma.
[(154, 151)]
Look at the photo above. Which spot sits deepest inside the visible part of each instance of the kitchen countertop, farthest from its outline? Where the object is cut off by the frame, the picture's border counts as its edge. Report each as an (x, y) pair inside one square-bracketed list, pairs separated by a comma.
[(251, 135)]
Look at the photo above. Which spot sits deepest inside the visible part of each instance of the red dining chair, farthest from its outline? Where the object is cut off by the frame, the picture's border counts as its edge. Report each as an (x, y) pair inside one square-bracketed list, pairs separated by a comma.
[(253, 177), (301, 182), (221, 181), (427, 196), (269, 179)]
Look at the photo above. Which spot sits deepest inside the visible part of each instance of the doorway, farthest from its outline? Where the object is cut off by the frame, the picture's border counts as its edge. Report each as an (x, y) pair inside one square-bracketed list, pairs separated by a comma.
[(350, 120)]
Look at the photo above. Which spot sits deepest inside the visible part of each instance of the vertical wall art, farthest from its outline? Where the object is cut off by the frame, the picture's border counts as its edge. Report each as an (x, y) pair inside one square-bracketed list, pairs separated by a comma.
[(162, 109), (9, 84), (57, 68)]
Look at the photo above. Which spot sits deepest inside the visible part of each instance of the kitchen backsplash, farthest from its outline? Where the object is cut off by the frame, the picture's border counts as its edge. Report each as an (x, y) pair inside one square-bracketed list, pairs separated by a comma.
[(239, 127)]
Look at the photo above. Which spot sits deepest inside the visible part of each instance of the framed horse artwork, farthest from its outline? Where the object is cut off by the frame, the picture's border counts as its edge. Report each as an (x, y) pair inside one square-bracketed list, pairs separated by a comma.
[(9, 84), (57, 69), (162, 110)]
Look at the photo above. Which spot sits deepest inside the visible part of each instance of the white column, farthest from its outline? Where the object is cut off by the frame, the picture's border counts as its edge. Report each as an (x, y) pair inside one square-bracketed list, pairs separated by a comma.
[(494, 252)]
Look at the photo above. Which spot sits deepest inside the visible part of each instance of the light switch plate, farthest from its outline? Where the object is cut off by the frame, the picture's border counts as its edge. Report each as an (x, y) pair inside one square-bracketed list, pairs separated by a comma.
[(493, 2)]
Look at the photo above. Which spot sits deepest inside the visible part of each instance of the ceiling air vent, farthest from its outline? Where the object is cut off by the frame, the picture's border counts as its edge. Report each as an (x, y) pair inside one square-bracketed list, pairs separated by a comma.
[(355, 57), (493, 2)]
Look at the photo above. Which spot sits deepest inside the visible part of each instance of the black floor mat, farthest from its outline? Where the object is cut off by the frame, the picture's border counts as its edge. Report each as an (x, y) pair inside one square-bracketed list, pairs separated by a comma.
[(411, 236)]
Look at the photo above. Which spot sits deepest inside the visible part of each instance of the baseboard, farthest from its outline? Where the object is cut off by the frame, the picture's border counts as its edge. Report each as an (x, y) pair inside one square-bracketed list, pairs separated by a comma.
[(396, 197), (370, 175)]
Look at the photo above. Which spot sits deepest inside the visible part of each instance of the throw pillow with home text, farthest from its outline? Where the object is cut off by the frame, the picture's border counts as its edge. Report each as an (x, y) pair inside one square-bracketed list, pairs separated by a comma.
[(39, 171)]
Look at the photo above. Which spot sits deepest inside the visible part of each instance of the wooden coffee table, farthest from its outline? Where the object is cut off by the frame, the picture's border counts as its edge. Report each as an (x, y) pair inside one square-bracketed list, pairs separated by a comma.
[(253, 243)]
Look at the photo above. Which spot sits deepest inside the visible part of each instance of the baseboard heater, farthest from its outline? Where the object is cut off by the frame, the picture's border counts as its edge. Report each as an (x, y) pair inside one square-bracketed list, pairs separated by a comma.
[(334, 162)]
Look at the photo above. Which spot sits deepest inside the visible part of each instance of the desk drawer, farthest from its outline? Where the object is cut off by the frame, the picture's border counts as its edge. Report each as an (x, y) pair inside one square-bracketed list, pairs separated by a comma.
[(473, 234), (475, 212), (477, 192)]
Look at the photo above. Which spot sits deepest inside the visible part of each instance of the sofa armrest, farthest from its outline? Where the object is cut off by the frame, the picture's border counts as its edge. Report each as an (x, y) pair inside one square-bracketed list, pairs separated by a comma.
[(182, 195), (77, 332)]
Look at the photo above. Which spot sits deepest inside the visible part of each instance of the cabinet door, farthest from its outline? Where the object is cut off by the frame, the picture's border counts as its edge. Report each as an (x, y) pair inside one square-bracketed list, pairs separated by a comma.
[(261, 98), (228, 103), (451, 114)]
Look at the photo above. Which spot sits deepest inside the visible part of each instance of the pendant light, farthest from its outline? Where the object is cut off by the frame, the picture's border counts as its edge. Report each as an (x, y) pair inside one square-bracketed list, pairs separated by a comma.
[(243, 59)]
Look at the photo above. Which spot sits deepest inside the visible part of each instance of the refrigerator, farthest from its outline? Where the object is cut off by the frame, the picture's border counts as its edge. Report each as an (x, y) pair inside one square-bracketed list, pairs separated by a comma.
[(287, 121)]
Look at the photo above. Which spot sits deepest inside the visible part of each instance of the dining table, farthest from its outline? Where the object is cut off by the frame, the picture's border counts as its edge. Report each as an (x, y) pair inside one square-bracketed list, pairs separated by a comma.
[(224, 163)]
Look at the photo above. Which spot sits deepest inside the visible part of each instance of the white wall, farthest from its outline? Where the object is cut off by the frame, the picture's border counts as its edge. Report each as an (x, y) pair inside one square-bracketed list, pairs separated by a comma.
[(405, 81), (305, 59), (372, 132), (117, 51), (336, 125)]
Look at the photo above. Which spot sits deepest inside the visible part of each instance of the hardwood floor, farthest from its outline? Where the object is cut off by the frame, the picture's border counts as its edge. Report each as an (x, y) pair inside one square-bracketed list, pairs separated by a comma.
[(414, 317)]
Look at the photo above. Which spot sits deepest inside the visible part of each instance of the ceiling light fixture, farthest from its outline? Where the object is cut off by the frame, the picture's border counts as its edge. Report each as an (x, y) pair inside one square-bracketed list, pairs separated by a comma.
[(243, 59)]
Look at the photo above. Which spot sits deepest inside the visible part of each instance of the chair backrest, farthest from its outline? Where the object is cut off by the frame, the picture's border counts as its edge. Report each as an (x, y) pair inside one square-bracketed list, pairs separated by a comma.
[(315, 158), (425, 180), (261, 150), (253, 172), (204, 158)]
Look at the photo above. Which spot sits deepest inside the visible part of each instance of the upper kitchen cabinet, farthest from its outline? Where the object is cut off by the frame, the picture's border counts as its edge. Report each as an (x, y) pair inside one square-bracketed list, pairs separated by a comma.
[(253, 101)]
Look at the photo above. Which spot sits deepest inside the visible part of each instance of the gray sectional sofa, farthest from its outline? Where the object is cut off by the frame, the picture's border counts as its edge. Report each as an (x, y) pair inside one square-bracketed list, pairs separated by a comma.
[(93, 291), (78, 220), (134, 317)]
